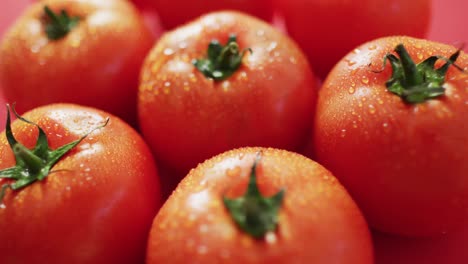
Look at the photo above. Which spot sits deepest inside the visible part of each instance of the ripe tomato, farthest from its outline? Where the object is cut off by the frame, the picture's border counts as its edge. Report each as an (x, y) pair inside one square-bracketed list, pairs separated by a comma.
[(265, 99), (404, 159), (258, 205), (95, 63), (95, 205), (174, 13), (327, 30)]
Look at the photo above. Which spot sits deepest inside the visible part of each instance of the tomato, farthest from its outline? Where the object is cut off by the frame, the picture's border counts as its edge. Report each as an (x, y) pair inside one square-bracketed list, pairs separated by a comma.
[(91, 57), (327, 30), (403, 158), (177, 12), (261, 93), (259, 205), (94, 204)]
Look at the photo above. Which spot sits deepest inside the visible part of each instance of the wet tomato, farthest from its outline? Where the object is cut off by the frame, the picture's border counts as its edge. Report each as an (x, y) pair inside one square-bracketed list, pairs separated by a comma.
[(83, 190), (86, 52), (258, 205), (396, 135), (223, 81)]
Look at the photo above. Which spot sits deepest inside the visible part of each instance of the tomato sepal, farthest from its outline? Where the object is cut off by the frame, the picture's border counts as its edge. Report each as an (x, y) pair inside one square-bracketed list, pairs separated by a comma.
[(32, 164), (253, 213), (221, 61), (417, 83), (59, 25)]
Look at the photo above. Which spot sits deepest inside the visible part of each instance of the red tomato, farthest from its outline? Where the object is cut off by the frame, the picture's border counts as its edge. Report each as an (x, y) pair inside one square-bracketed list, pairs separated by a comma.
[(258, 205), (96, 63), (174, 13), (266, 99), (327, 30), (96, 203), (404, 159)]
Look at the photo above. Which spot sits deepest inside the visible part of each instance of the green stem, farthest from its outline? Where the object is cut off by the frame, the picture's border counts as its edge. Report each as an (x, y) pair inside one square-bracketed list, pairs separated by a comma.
[(412, 76), (33, 163), (59, 25), (417, 83), (221, 61)]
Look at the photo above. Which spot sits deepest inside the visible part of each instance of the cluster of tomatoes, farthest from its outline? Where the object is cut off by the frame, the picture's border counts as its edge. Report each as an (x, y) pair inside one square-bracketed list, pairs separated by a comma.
[(131, 147)]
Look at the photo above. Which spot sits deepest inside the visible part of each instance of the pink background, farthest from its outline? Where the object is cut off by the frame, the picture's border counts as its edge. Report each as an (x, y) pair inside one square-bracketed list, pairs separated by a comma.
[(448, 25)]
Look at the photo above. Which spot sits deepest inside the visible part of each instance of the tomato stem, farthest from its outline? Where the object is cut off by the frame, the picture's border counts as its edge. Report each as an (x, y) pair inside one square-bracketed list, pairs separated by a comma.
[(222, 61), (252, 212), (417, 83), (59, 25), (32, 164)]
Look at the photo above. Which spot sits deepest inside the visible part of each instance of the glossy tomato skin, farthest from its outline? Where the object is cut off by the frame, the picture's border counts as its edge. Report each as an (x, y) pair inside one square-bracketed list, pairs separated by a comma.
[(318, 221), (405, 164), (96, 64), (328, 30), (186, 117), (174, 13), (97, 204)]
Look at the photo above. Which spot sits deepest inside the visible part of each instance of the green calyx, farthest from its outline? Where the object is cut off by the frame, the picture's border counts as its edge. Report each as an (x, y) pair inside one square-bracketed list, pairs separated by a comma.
[(416, 83), (58, 25), (221, 61), (32, 164), (253, 213)]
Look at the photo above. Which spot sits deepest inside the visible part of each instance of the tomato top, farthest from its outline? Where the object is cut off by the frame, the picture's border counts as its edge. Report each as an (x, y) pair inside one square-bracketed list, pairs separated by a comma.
[(266, 96), (300, 211), (85, 52)]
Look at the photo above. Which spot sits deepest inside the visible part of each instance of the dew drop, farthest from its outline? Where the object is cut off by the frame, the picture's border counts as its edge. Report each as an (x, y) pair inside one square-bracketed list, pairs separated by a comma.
[(419, 55), (270, 238), (355, 124), (343, 133), (351, 90), (272, 46), (372, 47), (365, 80), (350, 62), (168, 51), (2, 206), (357, 51), (202, 250), (371, 109)]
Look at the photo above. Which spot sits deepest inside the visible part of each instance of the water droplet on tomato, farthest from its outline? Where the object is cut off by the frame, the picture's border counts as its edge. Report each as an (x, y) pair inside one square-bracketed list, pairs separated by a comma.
[(2, 206), (202, 249), (372, 47), (272, 46), (351, 90), (350, 62), (270, 237), (293, 60), (365, 80), (168, 51), (343, 133), (371, 109)]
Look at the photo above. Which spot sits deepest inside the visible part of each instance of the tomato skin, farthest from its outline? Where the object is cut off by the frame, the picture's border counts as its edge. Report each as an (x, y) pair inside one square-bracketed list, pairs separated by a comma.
[(97, 204), (96, 64), (318, 221), (186, 117), (174, 13), (404, 164), (328, 30)]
